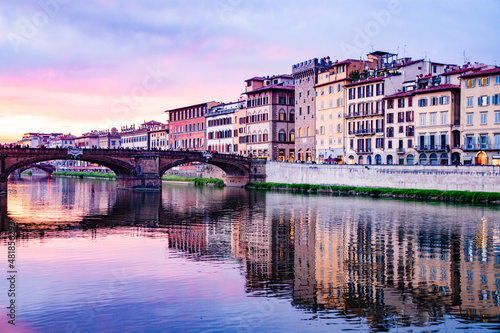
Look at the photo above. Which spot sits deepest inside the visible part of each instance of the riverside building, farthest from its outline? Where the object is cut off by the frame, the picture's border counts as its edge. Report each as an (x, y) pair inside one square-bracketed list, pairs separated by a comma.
[(220, 121), (270, 117), (187, 126), (305, 75)]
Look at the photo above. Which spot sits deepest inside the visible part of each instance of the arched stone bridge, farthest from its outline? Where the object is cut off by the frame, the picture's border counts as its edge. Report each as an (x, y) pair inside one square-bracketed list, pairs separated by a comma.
[(47, 168), (134, 168)]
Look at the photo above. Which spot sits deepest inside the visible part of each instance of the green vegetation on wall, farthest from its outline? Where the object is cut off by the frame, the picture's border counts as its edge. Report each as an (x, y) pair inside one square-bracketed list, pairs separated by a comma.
[(455, 196)]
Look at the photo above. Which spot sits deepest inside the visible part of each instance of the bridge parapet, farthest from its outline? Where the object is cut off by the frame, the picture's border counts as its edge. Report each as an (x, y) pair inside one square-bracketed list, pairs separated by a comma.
[(135, 168)]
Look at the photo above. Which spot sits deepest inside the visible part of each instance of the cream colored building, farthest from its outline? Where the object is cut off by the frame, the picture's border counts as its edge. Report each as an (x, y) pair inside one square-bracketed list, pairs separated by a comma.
[(330, 101), (437, 117), (480, 115)]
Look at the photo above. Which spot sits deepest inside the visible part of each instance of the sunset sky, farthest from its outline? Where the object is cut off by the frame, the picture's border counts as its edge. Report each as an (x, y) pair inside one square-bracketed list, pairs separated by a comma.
[(74, 66)]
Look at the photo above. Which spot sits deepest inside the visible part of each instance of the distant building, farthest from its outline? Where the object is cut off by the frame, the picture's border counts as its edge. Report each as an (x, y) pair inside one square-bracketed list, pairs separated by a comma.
[(187, 126), (305, 75), (220, 121), (88, 140), (137, 138), (109, 139), (62, 141), (37, 140), (158, 137), (240, 130), (270, 117)]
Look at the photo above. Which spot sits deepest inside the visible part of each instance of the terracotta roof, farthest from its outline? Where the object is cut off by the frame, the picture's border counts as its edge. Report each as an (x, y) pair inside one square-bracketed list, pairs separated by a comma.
[(332, 82), (190, 106), (401, 94), (255, 78), (480, 72), (273, 86), (446, 86)]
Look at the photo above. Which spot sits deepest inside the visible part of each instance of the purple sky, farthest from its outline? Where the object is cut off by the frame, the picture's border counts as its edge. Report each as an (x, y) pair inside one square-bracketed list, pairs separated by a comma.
[(74, 66)]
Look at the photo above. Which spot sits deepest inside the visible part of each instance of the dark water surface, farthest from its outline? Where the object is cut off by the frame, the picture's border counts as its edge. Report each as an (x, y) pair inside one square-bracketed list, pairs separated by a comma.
[(91, 258)]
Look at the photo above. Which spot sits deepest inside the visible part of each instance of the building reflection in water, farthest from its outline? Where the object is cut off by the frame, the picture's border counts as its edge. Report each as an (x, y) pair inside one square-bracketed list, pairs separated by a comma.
[(384, 260)]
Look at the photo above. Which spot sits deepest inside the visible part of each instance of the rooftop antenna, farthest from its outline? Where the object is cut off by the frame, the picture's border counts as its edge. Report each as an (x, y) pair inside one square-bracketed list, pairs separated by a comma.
[(465, 59), (371, 45)]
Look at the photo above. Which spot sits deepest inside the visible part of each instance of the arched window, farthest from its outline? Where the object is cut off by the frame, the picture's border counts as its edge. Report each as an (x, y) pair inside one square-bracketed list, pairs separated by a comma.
[(260, 136), (369, 159), (308, 155), (292, 136), (266, 136), (308, 131), (389, 159), (360, 160), (282, 115), (282, 135), (433, 159), (423, 159), (410, 160), (444, 159), (300, 132), (292, 115), (301, 155)]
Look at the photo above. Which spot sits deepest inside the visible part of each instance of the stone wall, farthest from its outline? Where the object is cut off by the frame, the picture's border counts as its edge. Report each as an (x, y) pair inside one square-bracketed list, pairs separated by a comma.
[(446, 178)]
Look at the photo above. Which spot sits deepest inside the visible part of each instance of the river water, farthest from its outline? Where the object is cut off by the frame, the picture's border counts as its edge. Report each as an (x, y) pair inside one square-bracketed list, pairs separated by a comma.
[(91, 258)]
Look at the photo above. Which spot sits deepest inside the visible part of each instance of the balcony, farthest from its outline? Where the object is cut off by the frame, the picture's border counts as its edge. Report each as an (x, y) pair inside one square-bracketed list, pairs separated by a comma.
[(400, 150), (363, 114), (422, 148), (479, 146), (368, 131), (364, 151)]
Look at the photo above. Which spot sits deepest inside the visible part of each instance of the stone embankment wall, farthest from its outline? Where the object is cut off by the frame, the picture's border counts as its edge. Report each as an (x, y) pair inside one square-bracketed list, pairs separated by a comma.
[(445, 178)]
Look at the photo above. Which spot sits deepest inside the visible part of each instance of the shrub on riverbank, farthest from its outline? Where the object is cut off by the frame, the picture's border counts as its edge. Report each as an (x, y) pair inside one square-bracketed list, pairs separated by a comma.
[(28, 173), (84, 174), (455, 196), (197, 181)]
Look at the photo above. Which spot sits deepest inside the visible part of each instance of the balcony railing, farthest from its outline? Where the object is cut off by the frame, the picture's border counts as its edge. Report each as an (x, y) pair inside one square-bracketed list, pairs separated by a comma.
[(432, 147), (363, 114), (479, 146), (400, 150), (364, 151), (368, 131)]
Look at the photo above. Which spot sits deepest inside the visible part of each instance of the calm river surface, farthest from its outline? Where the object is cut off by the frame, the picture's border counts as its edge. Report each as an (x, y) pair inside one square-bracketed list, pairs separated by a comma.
[(91, 258)]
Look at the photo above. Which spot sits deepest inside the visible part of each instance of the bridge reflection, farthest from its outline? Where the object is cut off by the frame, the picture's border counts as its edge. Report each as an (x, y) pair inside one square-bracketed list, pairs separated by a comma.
[(391, 262)]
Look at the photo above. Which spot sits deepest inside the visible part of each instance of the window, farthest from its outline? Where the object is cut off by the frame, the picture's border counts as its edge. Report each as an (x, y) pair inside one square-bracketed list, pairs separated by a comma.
[(447, 79), (470, 83), (300, 111), (282, 136), (380, 89), (339, 128), (484, 81), (330, 116), (469, 119), (497, 117), (308, 131), (409, 116), (390, 104), (322, 90), (361, 92), (300, 132), (322, 106), (469, 142), (330, 103), (390, 118), (292, 136), (410, 101), (352, 93), (434, 101), (497, 79), (330, 130), (444, 118), (497, 141), (308, 109), (422, 102), (401, 102), (339, 87), (484, 117), (483, 100), (422, 119), (339, 101), (401, 117), (432, 119), (443, 100), (369, 90), (470, 102), (379, 143), (495, 99)]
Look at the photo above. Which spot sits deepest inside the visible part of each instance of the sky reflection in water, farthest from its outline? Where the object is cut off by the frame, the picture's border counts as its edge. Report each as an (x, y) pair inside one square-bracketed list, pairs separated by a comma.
[(92, 258)]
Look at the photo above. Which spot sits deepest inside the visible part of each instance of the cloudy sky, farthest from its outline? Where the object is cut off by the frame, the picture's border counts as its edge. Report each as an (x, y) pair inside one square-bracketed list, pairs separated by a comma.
[(73, 66)]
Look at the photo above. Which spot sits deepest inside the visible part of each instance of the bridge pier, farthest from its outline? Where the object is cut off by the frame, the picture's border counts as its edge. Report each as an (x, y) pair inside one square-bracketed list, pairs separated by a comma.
[(236, 181)]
